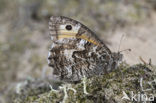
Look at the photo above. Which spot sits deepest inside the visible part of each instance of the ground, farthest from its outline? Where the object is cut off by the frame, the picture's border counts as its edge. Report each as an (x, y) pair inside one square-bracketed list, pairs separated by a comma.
[(109, 88)]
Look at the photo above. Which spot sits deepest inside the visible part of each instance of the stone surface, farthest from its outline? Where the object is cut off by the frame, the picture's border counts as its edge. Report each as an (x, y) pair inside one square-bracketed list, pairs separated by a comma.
[(109, 88)]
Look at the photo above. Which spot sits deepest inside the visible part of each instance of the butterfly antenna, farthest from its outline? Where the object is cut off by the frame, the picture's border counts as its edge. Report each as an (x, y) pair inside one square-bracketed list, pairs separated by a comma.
[(124, 50), (120, 42)]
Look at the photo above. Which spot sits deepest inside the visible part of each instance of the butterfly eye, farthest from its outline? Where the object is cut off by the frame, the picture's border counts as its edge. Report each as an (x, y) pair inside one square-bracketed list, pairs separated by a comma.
[(68, 27)]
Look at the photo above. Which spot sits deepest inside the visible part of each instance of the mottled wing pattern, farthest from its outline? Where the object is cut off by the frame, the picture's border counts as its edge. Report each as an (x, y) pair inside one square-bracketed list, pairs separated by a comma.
[(76, 51)]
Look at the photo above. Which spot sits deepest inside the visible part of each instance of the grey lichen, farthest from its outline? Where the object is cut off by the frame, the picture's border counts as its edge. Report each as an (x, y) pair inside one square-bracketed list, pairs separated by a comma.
[(109, 88)]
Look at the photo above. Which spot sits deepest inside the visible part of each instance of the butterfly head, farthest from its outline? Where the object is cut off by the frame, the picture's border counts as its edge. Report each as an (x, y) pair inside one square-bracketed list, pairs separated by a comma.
[(118, 56)]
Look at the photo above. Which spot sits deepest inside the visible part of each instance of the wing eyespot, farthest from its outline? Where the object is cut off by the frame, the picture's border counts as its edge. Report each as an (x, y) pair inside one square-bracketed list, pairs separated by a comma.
[(68, 27)]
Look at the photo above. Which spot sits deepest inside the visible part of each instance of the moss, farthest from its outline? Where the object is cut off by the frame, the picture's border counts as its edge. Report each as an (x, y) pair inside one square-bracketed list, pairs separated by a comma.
[(106, 88)]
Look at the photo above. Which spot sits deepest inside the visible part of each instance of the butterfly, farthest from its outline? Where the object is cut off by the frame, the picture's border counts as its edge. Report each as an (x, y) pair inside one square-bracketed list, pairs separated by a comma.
[(76, 51)]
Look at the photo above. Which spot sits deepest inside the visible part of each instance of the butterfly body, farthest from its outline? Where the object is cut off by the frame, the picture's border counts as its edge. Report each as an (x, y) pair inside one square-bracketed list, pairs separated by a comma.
[(77, 52)]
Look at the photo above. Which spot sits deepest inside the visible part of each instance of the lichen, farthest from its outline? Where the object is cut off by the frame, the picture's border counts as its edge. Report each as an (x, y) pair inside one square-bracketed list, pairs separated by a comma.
[(106, 88)]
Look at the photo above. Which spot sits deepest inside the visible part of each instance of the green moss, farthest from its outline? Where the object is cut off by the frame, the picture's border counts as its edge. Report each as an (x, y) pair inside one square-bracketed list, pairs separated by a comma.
[(105, 88)]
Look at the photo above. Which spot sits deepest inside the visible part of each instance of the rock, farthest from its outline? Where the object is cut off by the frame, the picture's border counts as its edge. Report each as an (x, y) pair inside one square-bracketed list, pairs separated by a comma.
[(137, 80)]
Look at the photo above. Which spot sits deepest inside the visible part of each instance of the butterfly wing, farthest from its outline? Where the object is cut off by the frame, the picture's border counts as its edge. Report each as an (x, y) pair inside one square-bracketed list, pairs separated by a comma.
[(77, 51)]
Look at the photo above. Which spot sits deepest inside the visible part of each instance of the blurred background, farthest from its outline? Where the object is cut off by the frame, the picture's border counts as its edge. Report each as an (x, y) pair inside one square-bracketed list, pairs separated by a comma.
[(25, 41)]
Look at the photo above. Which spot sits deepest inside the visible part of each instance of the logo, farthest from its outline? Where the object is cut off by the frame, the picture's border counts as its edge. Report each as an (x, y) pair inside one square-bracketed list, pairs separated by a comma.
[(139, 97)]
